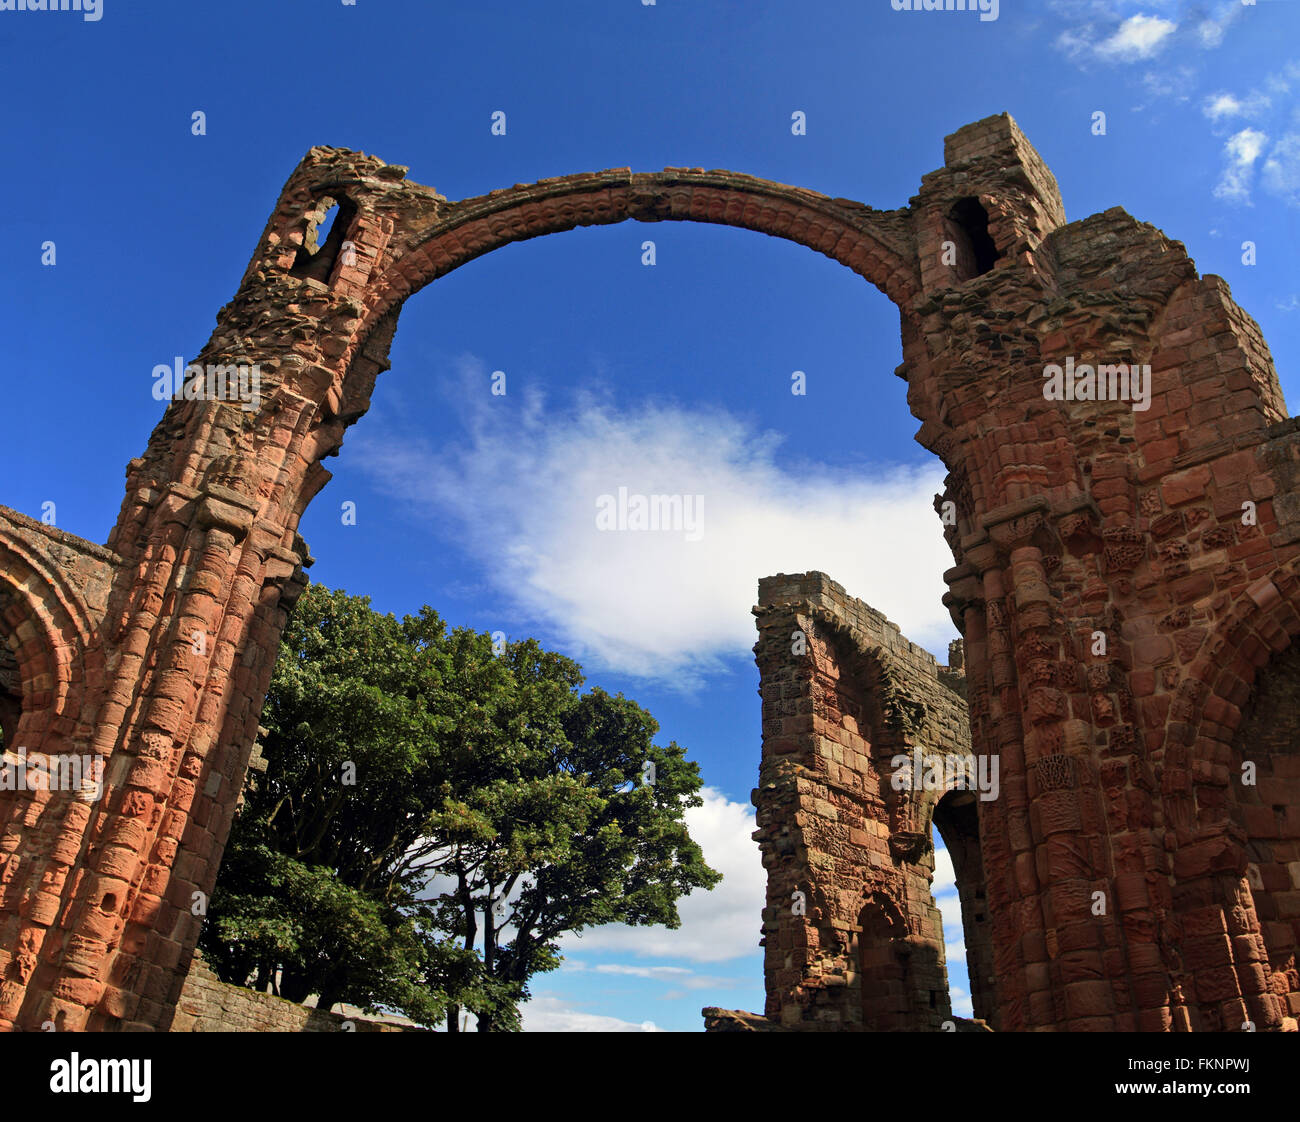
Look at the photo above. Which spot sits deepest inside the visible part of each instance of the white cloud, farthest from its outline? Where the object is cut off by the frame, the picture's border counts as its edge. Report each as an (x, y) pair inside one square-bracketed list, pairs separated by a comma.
[(1211, 33), (1243, 149), (961, 1002), (1136, 30), (716, 926), (679, 975), (673, 972), (1248, 149), (1290, 304), (945, 879), (1211, 30), (1280, 83), (1137, 37), (1175, 82), (521, 496), (1223, 106), (1281, 171), (547, 1013)]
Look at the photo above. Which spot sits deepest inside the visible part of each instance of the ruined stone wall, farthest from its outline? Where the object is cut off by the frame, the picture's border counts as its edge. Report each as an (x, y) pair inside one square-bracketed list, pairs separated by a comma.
[(207, 1004), (1121, 577), (852, 936)]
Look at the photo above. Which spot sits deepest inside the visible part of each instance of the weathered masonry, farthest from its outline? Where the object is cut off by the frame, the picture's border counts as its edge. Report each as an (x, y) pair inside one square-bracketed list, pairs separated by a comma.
[(865, 744), (1170, 532)]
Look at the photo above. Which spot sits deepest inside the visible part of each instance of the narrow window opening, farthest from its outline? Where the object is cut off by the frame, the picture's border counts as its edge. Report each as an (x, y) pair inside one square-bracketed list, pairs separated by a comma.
[(327, 228), (326, 224), (11, 704), (969, 219), (956, 821)]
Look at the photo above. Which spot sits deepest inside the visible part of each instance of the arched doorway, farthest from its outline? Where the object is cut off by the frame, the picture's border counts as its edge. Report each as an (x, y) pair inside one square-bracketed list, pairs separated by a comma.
[(885, 966), (956, 819)]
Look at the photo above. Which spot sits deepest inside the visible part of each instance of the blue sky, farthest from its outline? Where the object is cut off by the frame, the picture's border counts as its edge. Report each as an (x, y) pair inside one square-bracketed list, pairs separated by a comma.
[(667, 378)]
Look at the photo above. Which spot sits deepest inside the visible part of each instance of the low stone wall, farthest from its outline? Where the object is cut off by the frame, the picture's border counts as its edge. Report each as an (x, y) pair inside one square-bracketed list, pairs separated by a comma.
[(208, 1004), (737, 1020)]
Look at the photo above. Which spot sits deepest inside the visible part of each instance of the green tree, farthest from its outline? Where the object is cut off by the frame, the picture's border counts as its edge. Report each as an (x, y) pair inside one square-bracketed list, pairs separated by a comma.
[(437, 813)]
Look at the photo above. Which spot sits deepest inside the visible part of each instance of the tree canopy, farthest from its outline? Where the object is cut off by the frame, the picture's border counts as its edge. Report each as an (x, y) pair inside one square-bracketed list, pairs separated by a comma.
[(437, 811)]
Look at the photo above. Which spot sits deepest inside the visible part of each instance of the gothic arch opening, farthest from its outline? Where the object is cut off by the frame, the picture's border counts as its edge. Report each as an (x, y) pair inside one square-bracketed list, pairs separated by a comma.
[(503, 282), (956, 819), (11, 704), (13, 688), (1266, 749)]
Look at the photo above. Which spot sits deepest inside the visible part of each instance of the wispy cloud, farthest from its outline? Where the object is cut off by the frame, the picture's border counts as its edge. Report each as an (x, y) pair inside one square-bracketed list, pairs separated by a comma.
[(680, 976), (1267, 152), (1241, 152), (1136, 38), (1281, 172), (1211, 30), (548, 1013), (1226, 106), (522, 492), (1128, 31)]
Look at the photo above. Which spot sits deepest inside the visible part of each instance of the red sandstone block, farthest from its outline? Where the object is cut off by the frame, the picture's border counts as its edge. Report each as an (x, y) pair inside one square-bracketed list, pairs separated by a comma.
[(1215, 984), (1152, 650), (1185, 486), (1206, 389), (85, 992), (146, 909), (1206, 413), (1142, 682), (1169, 359), (1131, 891), (1089, 999), (1160, 450), (1040, 1009), (1117, 505), (117, 1003), (1235, 468)]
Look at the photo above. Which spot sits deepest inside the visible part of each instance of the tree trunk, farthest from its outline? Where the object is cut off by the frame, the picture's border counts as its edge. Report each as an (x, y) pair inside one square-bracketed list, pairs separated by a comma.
[(294, 987)]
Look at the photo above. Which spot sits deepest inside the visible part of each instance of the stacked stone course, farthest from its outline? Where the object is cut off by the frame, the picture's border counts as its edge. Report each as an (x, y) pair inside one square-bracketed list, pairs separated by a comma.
[(208, 1004)]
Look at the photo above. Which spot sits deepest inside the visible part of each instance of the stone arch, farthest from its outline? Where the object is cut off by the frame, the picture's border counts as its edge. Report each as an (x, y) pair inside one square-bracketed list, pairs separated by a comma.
[(46, 627), (874, 244), (1264, 623), (1233, 967), (1267, 810), (1052, 505), (877, 245), (956, 817), (902, 983)]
